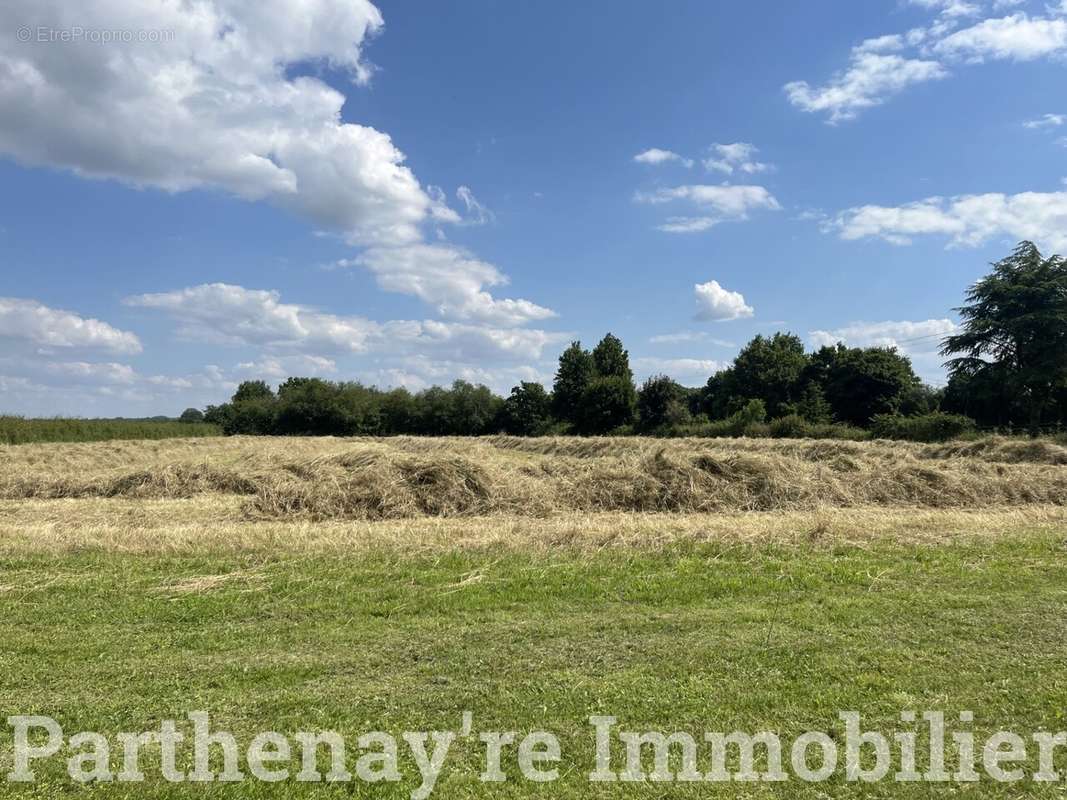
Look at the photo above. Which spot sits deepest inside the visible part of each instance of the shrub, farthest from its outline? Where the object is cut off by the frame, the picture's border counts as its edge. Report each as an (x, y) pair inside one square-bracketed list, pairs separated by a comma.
[(792, 426), (934, 427)]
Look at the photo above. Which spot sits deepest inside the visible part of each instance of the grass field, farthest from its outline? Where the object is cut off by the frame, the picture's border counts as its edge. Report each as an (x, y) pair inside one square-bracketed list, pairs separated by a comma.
[(391, 585), (19, 430)]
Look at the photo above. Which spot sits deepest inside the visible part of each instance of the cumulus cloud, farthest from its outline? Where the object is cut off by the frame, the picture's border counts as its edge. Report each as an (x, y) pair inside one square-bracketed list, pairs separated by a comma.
[(967, 220), (35, 323), (717, 204), (714, 303), (950, 8), (450, 279), (880, 67), (217, 106), (1046, 121), (234, 315), (84, 371), (869, 81), (1018, 37), (656, 156), (687, 371), (280, 367), (739, 157), (222, 313), (919, 337)]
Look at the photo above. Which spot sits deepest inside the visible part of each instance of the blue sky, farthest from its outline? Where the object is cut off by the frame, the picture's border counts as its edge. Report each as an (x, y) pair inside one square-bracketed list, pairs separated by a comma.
[(408, 193)]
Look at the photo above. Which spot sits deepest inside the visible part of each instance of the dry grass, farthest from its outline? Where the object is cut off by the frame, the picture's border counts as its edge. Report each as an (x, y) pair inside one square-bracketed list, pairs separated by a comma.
[(407, 478), (217, 525)]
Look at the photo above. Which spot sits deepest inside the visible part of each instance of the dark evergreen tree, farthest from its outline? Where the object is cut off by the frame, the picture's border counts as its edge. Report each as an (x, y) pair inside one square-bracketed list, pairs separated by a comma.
[(1015, 322)]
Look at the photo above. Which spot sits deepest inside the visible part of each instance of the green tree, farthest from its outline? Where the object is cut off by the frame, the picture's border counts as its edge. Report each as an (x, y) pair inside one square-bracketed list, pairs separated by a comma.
[(576, 371), (397, 412), (813, 406), (192, 415), (528, 410), (661, 402), (769, 369), (1015, 320), (862, 382), (611, 360), (472, 409), (253, 390), (607, 403)]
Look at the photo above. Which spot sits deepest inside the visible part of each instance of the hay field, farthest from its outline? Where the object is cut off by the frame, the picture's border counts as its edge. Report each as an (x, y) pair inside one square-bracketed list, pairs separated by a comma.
[(403, 478), (390, 584)]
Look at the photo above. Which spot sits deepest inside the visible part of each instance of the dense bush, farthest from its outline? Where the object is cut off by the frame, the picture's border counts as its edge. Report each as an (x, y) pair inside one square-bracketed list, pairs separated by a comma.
[(934, 427)]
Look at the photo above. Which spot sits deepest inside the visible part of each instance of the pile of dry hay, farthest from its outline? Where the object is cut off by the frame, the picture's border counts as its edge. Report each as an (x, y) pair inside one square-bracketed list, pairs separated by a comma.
[(407, 477)]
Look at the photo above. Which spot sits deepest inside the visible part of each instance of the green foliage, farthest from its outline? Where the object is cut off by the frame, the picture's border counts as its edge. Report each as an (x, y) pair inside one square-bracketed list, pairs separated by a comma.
[(608, 403), (527, 411), (661, 402), (792, 426), (933, 427), (256, 390), (576, 371), (813, 406), (769, 369), (862, 382), (1015, 324), (191, 415), (611, 360), (18, 430), (472, 410)]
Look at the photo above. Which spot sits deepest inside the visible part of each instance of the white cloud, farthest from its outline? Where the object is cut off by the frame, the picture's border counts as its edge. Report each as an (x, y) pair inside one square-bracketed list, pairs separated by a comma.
[(477, 214), (968, 220), (418, 372), (949, 8), (233, 315), (279, 367), (719, 304), (656, 156), (880, 68), (889, 43), (226, 314), (687, 371), (212, 107), (451, 280), (689, 336), (1046, 121), (217, 106), (1018, 37), (725, 203), (35, 323), (907, 336), (78, 371), (869, 81), (739, 156)]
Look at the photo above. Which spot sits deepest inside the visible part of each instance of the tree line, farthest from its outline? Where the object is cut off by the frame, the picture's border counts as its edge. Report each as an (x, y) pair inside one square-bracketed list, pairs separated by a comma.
[(1007, 368)]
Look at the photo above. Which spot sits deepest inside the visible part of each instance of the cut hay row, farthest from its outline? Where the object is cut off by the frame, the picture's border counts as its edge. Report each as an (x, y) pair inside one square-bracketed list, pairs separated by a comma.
[(409, 478)]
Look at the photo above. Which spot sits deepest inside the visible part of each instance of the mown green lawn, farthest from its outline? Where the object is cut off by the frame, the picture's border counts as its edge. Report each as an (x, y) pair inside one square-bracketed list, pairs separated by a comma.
[(698, 638)]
